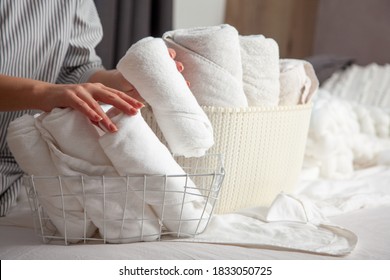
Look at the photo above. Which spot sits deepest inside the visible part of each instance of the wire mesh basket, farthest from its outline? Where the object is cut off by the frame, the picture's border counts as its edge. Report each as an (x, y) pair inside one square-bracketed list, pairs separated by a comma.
[(124, 209)]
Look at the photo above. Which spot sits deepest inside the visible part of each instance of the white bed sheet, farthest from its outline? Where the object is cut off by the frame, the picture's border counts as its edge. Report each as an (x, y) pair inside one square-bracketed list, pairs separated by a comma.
[(370, 222), (371, 225)]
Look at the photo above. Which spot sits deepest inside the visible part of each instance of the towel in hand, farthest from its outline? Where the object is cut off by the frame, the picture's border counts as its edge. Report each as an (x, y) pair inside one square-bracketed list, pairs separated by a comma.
[(33, 156), (212, 60), (135, 150), (149, 67), (298, 82), (73, 143), (260, 63)]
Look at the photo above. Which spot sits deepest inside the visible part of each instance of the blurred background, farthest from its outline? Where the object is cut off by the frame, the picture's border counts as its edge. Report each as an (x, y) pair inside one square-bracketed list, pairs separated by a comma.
[(350, 29)]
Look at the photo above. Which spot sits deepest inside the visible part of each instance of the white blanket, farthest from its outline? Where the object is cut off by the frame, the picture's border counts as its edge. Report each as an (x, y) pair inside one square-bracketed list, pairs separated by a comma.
[(300, 221), (289, 223), (368, 84), (345, 136)]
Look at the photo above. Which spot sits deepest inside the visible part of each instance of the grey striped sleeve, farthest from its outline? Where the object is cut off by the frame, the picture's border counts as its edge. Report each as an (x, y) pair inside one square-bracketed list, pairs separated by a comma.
[(81, 60), (48, 40)]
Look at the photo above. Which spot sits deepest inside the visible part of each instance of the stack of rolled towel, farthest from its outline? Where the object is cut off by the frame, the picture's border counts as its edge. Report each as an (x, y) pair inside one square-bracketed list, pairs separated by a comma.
[(227, 69)]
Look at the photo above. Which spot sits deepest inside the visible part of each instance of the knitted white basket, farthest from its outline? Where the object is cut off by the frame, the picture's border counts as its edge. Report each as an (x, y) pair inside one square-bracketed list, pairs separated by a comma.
[(263, 150)]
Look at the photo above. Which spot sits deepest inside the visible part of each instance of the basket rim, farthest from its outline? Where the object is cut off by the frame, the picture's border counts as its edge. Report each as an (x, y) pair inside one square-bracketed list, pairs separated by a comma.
[(251, 109), (256, 109), (219, 170)]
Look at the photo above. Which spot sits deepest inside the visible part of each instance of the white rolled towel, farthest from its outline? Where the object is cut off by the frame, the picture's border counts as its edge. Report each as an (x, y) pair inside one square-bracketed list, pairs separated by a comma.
[(212, 61), (298, 82), (33, 156), (185, 126), (136, 150), (73, 143), (260, 63)]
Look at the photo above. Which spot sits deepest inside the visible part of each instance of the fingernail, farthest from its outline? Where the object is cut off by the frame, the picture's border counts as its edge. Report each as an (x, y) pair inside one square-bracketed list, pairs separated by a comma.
[(172, 52), (98, 118), (133, 111), (113, 128), (140, 105)]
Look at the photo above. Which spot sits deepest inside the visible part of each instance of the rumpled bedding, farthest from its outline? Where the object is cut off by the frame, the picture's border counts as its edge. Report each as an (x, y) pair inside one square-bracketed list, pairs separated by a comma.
[(365, 84), (345, 136)]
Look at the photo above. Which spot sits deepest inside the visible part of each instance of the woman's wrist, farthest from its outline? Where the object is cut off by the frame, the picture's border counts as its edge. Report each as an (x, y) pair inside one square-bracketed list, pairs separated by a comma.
[(43, 96), (22, 93)]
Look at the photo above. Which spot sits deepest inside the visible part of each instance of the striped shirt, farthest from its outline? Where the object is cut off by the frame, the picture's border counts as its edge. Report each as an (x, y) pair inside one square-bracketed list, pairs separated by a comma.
[(48, 40)]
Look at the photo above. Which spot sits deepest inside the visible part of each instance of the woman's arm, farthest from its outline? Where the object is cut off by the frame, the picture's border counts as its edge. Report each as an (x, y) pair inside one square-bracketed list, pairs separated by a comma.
[(21, 93)]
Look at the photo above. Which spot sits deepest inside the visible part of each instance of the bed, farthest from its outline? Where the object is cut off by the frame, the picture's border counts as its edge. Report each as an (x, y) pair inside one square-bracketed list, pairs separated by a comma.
[(355, 199), (370, 223)]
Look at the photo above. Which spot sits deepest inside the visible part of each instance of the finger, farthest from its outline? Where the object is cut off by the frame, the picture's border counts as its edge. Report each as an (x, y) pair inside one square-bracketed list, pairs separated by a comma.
[(172, 53), (120, 100), (105, 120), (108, 124), (114, 97), (179, 66), (86, 104), (77, 103)]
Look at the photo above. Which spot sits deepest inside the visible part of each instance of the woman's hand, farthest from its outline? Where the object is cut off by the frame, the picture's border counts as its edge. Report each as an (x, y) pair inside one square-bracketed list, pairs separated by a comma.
[(115, 82), (87, 97), (108, 87)]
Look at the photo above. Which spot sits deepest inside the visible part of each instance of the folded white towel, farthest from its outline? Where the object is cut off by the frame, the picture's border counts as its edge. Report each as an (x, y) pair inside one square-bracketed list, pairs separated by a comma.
[(298, 82), (136, 150), (212, 60), (33, 156), (73, 144), (186, 128), (260, 63)]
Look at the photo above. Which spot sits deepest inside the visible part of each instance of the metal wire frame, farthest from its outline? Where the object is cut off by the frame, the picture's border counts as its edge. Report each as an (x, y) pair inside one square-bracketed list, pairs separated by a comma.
[(206, 172)]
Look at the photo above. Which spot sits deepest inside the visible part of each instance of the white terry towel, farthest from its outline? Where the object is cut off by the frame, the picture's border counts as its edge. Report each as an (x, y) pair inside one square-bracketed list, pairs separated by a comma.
[(212, 61), (33, 156), (135, 150), (186, 128), (298, 82), (260, 63), (73, 143)]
